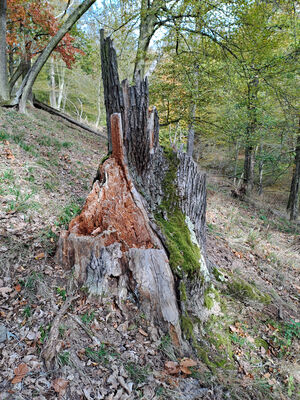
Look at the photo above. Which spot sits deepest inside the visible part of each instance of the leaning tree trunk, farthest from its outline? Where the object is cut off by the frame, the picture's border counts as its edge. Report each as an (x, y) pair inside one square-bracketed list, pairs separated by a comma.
[(141, 233), (4, 92), (27, 83)]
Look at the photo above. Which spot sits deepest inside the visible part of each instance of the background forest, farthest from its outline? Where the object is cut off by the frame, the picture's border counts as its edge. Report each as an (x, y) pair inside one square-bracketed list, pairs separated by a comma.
[(222, 73)]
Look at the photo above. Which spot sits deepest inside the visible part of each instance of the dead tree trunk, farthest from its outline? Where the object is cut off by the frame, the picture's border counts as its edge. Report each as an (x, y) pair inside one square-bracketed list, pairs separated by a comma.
[(141, 233)]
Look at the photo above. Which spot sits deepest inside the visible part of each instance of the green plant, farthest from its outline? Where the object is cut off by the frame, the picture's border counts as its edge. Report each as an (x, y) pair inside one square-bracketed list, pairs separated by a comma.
[(44, 333), (27, 311), (291, 330), (69, 212), (62, 329), (64, 358), (100, 355), (87, 317), (62, 293), (8, 175), (290, 385), (137, 373)]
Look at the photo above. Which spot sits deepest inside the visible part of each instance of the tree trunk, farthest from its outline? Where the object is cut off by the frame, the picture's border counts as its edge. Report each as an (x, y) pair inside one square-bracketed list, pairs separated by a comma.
[(4, 91), (260, 170), (61, 84), (191, 131), (52, 96), (250, 135), (147, 28), (27, 84), (141, 234), (293, 201), (236, 160)]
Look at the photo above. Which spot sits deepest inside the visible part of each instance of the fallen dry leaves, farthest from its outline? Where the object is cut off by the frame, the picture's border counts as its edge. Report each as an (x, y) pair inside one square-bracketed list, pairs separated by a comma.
[(173, 367), (60, 386), (20, 373)]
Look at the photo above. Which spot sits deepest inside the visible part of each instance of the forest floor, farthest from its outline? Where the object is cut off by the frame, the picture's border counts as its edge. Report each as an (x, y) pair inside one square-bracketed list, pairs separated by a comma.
[(46, 172)]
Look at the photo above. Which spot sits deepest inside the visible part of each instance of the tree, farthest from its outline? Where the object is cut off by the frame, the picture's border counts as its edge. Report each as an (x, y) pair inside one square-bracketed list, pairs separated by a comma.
[(141, 233), (27, 83), (30, 25), (4, 93), (293, 201)]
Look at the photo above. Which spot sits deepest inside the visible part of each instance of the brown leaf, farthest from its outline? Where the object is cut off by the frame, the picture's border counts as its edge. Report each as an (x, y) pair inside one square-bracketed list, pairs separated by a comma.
[(185, 363), (172, 367), (60, 386), (142, 332), (20, 371), (188, 362), (185, 370)]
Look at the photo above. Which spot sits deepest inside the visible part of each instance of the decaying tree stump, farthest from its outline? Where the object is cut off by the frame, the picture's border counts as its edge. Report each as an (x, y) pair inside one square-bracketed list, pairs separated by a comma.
[(141, 233)]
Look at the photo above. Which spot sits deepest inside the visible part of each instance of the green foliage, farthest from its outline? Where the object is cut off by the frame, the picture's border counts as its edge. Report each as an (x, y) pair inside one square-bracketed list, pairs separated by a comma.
[(87, 317), (243, 290), (137, 373), (62, 293), (101, 355), (44, 333), (69, 212), (64, 358), (27, 311)]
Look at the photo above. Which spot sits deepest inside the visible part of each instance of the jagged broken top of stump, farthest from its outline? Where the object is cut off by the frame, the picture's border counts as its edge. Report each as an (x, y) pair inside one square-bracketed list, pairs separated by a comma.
[(115, 246)]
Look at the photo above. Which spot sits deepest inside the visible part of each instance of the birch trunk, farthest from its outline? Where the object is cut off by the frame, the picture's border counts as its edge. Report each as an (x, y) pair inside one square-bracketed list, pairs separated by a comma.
[(52, 96)]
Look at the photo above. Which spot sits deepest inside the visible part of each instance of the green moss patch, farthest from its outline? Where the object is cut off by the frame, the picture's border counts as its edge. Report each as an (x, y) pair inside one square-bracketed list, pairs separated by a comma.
[(184, 254), (241, 289)]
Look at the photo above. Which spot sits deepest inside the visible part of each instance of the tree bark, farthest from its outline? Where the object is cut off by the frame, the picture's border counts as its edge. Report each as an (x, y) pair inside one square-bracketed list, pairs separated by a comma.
[(127, 242), (293, 201), (52, 96), (148, 19), (250, 134), (27, 84), (191, 131), (4, 90)]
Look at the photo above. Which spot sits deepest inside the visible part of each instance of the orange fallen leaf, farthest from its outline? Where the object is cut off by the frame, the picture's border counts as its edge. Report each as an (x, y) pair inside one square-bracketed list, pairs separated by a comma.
[(60, 386), (18, 288), (40, 256), (20, 371)]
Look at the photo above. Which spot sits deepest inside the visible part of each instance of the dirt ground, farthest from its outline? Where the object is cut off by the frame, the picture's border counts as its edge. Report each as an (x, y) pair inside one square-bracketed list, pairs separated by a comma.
[(102, 352)]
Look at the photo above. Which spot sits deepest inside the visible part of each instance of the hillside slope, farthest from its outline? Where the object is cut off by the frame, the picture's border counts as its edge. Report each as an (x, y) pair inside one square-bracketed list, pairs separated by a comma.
[(248, 351)]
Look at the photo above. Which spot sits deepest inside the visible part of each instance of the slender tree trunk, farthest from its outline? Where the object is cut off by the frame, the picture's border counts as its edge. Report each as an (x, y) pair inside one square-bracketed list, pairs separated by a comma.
[(4, 89), (191, 131), (61, 84), (236, 159), (27, 84), (147, 28), (52, 96), (250, 135), (260, 170), (293, 201), (15, 76)]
